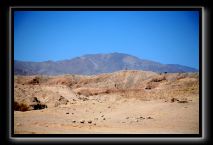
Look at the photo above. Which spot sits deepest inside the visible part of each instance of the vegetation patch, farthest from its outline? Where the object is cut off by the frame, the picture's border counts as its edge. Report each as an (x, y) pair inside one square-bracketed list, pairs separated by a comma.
[(20, 107)]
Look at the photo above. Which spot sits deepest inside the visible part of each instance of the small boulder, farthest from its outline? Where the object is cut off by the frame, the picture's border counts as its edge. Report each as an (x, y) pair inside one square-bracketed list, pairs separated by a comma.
[(82, 121), (149, 117), (173, 100)]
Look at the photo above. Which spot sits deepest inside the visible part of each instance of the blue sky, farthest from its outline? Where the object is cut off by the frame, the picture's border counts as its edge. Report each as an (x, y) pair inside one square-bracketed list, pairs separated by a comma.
[(169, 37)]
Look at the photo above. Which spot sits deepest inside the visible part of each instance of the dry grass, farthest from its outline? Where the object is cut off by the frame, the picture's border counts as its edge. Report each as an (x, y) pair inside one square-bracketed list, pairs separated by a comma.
[(20, 107)]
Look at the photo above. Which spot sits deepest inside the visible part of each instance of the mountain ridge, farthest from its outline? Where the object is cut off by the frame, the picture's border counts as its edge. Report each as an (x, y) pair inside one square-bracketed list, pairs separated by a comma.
[(91, 64)]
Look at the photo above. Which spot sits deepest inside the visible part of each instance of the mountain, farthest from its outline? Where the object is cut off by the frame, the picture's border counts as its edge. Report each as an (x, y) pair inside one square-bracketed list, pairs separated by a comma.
[(95, 64)]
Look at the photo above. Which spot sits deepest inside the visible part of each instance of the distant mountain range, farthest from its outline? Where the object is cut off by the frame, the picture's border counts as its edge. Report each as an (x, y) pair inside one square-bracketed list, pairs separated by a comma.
[(95, 64)]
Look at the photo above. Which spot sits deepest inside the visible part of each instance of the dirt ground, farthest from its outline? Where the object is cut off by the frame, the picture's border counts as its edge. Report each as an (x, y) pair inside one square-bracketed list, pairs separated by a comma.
[(128, 102)]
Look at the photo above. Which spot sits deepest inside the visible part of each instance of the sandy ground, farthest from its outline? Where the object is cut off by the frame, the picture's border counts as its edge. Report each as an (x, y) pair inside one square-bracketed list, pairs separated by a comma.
[(109, 113), (126, 116)]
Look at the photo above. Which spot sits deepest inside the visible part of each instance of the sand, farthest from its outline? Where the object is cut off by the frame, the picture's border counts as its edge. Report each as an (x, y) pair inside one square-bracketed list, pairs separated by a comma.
[(116, 103)]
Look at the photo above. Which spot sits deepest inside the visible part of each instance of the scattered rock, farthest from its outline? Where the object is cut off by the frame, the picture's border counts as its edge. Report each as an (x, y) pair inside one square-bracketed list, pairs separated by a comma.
[(173, 100), (34, 81), (38, 106), (148, 87), (149, 117), (183, 101), (142, 117), (61, 101), (82, 121), (35, 99)]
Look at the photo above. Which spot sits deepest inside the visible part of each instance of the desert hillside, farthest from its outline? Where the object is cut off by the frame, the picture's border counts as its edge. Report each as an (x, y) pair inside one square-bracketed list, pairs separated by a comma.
[(93, 64), (128, 101)]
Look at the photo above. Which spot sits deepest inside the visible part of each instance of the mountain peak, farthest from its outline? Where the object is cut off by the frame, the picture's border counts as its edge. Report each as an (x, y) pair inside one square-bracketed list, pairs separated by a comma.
[(91, 64)]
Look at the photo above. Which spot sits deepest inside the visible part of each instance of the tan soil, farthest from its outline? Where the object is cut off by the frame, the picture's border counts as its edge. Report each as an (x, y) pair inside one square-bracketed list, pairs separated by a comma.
[(134, 102)]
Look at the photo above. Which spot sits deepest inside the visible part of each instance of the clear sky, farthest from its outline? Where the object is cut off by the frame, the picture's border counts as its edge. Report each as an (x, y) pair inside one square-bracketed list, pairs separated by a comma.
[(169, 37)]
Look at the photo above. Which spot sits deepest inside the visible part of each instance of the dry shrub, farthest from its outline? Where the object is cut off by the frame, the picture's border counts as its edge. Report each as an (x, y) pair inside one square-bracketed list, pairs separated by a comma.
[(34, 81), (151, 85), (181, 76), (158, 79), (21, 107)]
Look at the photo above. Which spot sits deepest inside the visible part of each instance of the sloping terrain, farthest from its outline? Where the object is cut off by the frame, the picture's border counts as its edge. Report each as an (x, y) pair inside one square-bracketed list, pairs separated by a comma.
[(120, 102), (95, 64)]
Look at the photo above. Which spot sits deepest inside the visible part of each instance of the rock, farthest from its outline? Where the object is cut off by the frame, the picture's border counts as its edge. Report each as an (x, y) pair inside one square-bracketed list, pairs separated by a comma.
[(90, 121), (183, 101), (61, 101), (67, 113), (149, 117), (73, 121), (127, 117), (173, 100), (82, 121), (35, 99)]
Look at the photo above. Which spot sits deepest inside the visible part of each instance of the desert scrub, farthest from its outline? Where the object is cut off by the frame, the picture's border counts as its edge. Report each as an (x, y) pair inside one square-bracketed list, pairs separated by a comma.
[(158, 79), (20, 107)]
